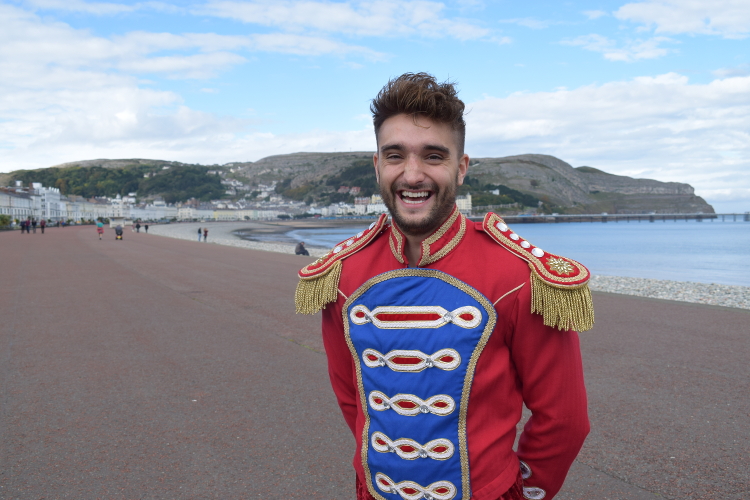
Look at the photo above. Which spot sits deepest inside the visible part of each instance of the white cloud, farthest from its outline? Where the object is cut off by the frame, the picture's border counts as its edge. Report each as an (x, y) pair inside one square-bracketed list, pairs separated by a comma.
[(530, 22), (654, 127), (207, 145), (631, 50), (97, 8), (67, 94), (741, 70), (594, 14), (380, 18), (36, 53), (309, 46), (103, 8), (727, 18)]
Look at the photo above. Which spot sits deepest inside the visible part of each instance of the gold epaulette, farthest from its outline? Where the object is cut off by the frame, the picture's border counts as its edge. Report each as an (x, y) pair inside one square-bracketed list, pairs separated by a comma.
[(319, 282), (560, 290)]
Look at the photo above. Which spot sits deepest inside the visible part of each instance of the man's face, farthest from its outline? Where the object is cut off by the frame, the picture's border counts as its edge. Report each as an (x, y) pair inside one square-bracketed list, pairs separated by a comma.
[(419, 171)]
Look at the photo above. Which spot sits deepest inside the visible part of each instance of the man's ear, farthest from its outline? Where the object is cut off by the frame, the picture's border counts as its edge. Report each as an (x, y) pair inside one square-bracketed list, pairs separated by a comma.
[(463, 167), (375, 164)]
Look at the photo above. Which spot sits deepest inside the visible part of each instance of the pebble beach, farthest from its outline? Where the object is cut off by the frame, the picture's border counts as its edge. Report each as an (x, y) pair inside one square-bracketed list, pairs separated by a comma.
[(222, 233)]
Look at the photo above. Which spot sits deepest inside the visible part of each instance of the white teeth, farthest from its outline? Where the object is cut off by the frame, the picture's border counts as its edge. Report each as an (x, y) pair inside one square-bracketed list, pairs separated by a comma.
[(412, 197)]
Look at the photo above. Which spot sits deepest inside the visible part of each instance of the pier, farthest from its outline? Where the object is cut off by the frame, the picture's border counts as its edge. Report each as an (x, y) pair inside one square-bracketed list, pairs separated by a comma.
[(604, 217)]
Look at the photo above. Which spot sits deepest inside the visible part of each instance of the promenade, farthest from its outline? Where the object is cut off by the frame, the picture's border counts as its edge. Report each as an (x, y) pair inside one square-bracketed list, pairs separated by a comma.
[(159, 368)]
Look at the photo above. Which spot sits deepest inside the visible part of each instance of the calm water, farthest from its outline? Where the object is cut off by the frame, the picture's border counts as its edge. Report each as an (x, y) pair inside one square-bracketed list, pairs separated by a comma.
[(708, 252)]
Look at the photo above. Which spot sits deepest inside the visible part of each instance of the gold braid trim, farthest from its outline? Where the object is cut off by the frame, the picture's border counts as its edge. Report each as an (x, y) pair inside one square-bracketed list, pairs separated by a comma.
[(564, 308), (314, 293)]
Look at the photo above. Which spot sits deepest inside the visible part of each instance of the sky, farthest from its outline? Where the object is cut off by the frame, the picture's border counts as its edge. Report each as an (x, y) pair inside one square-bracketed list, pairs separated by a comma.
[(655, 89)]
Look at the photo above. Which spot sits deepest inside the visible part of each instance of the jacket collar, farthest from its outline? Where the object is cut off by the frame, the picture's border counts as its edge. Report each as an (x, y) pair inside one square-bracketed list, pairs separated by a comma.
[(434, 247)]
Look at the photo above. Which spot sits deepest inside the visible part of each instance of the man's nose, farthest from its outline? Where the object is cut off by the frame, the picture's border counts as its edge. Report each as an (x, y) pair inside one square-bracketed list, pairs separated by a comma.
[(413, 170)]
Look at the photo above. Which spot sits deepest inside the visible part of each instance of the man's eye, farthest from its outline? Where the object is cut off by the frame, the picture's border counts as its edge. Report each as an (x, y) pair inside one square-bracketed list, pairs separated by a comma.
[(393, 156), (435, 157)]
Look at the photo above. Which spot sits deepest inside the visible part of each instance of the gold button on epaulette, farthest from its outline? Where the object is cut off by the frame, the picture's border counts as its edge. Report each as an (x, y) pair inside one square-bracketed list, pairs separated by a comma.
[(560, 291), (319, 281)]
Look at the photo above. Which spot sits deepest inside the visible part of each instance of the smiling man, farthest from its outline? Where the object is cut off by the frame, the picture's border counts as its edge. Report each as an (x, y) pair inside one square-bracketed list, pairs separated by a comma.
[(438, 329)]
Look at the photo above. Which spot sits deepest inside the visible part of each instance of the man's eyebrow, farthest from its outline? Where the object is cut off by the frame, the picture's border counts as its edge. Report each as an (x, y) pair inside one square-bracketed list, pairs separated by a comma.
[(397, 146), (427, 147), (435, 147)]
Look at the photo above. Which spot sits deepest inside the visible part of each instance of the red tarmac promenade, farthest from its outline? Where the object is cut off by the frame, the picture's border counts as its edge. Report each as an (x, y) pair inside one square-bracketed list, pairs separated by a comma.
[(157, 368)]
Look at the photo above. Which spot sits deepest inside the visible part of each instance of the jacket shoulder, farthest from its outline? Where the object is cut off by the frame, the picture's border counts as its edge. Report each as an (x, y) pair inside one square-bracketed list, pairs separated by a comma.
[(319, 281), (345, 249), (560, 289), (556, 270)]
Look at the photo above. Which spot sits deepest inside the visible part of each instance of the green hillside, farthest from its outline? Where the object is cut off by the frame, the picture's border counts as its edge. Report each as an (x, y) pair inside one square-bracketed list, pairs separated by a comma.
[(175, 183)]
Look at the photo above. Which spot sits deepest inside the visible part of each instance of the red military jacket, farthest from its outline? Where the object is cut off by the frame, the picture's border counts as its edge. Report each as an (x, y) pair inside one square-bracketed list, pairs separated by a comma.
[(522, 362)]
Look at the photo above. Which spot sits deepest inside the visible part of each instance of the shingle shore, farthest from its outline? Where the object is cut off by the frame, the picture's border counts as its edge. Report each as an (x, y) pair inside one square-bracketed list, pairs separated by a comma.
[(685, 291), (699, 293)]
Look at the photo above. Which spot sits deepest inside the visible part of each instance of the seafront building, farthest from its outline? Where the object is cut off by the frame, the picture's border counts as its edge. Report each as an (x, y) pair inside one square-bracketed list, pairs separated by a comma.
[(464, 204), (16, 205), (39, 202)]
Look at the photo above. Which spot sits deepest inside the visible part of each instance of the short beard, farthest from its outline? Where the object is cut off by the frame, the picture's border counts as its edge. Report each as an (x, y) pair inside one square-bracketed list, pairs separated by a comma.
[(445, 201)]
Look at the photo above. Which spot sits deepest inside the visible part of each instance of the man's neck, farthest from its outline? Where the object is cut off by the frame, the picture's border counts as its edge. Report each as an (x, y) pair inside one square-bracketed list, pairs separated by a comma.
[(413, 244), (413, 248)]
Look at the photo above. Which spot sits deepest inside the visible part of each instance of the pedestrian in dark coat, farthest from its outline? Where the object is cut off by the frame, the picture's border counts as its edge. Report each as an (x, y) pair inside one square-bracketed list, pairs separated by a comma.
[(300, 249)]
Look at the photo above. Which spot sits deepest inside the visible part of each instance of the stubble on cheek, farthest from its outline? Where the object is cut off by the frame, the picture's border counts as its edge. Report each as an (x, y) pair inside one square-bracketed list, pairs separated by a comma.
[(445, 199)]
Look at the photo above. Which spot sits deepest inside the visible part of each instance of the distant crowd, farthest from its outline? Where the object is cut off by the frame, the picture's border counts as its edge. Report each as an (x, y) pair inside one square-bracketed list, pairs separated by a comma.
[(30, 224)]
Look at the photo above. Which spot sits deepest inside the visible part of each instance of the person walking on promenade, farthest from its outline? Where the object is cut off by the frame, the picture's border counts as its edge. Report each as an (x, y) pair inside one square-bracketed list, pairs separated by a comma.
[(28, 225), (137, 227), (431, 308), (205, 234), (200, 232), (33, 224), (100, 228), (42, 225), (300, 249), (145, 227)]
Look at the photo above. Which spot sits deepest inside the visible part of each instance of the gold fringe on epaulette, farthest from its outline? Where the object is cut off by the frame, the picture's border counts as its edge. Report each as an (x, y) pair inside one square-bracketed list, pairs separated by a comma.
[(563, 308), (314, 293)]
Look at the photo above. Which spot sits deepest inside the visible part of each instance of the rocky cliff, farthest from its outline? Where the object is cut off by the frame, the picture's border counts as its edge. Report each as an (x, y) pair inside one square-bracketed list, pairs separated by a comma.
[(560, 186), (586, 189)]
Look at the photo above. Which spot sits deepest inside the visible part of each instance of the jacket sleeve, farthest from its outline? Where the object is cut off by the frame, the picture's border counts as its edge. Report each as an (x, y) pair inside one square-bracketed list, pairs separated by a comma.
[(340, 364), (548, 362)]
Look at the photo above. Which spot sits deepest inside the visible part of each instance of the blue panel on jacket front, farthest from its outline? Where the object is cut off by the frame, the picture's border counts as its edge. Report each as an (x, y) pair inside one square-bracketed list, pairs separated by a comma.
[(413, 396)]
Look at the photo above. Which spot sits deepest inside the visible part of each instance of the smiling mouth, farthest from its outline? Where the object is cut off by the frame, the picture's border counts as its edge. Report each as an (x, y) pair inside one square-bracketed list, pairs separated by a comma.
[(414, 197)]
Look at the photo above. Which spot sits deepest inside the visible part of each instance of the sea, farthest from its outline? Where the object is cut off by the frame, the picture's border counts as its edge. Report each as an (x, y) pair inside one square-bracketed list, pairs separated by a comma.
[(710, 251)]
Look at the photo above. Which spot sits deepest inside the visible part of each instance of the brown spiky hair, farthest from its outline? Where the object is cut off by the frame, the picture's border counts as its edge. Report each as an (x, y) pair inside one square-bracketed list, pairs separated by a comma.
[(419, 94)]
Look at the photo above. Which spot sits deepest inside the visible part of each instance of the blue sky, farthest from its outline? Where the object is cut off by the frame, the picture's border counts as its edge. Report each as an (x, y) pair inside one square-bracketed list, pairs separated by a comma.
[(647, 88)]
